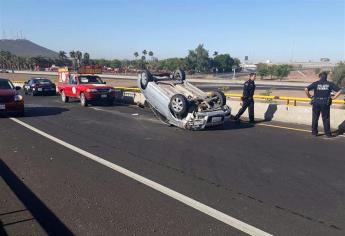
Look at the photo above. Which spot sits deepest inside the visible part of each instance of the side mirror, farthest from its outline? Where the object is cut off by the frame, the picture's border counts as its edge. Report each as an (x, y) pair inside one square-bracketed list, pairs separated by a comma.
[(104, 82), (18, 88)]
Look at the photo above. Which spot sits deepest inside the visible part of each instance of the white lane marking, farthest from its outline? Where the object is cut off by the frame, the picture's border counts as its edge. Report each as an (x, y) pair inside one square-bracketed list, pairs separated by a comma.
[(240, 225)]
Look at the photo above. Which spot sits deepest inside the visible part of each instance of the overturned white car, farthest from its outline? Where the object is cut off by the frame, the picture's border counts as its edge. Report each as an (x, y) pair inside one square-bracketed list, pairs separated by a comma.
[(179, 103)]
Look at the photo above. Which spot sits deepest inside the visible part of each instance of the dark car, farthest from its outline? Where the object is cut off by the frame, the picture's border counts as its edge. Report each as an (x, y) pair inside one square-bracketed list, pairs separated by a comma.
[(11, 102), (39, 86)]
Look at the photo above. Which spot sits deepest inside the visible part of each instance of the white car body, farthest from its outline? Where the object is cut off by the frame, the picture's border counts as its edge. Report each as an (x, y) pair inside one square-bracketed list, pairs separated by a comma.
[(158, 94)]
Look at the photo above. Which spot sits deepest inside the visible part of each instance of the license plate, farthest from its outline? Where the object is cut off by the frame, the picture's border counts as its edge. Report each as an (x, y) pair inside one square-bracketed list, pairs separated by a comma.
[(39, 89), (198, 122), (103, 96), (216, 119), (2, 107)]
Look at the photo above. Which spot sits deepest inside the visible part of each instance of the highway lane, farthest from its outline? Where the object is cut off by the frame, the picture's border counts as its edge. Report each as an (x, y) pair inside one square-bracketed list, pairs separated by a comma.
[(281, 181)]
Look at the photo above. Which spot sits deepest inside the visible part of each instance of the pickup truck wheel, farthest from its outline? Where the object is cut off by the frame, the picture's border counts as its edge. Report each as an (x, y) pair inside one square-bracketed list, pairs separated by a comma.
[(221, 99), (179, 105), (64, 98), (145, 78), (83, 100), (180, 75)]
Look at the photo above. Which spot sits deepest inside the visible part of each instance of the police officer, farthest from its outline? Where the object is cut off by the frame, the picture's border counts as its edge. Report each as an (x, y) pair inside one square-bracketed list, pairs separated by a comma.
[(247, 98), (322, 101)]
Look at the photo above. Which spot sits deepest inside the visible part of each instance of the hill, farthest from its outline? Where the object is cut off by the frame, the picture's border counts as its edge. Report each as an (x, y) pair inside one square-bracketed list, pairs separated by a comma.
[(25, 48)]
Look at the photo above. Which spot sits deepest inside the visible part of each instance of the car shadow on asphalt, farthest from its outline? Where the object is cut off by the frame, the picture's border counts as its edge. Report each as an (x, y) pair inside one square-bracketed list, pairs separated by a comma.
[(231, 125), (43, 111), (41, 213)]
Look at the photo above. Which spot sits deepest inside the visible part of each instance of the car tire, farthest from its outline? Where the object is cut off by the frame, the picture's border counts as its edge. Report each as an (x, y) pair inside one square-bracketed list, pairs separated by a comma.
[(179, 105), (180, 75), (64, 98), (221, 99), (145, 78), (83, 100)]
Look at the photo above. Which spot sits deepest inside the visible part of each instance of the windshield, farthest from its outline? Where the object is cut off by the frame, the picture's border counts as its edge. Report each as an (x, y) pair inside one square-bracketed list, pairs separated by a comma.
[(90, 80), (43, 81), (5, 84)]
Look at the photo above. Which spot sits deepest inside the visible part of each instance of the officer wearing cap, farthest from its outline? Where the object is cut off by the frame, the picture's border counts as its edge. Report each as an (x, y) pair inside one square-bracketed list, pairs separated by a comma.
[(322, 101), (247, 98)]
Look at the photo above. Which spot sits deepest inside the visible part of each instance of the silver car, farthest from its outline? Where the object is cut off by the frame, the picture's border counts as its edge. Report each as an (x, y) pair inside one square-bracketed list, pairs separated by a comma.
[(180, 103)]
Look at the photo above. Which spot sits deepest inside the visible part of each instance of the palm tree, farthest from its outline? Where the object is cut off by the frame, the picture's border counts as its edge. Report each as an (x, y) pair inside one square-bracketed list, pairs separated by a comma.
[(144, 52), (86, 59), (79, 56), (62, 55), (215, 53), (151, 55), (136, 54), (72, 54)]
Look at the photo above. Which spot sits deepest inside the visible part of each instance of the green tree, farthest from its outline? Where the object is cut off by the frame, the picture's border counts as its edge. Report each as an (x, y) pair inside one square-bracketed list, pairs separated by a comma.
[(282, 71), (223, 62), (144, 52), (198, 60), (263, 70), (215, 53), (136, 54), (338, 75)]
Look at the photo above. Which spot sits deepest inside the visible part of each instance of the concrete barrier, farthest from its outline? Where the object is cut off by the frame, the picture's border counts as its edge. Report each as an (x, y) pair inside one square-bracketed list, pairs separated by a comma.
[(289, 114)]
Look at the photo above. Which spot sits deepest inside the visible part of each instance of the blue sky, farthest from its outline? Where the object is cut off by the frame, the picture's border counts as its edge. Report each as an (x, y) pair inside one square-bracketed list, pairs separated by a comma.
[(279, 30)]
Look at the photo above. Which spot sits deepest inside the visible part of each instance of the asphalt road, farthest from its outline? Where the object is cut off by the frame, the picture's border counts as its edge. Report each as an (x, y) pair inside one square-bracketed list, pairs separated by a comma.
[(283, 182)]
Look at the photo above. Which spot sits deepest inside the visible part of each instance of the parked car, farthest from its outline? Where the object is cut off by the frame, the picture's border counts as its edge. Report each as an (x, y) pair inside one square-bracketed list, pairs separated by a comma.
[(39, 86), (11, 102), (182, 104)]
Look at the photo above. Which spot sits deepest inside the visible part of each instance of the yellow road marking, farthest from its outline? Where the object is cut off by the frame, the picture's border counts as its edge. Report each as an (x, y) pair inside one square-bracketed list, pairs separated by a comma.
[(289, 128)]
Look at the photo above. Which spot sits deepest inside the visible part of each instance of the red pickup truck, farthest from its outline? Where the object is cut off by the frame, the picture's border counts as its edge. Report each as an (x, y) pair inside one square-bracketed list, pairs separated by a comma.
[(88, 88)]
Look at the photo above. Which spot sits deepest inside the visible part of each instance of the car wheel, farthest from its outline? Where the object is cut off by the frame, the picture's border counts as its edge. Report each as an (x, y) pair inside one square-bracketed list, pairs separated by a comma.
[(221, 99), (180, 75), (83, 100), (145, 78), (64, 98), (179, 105)]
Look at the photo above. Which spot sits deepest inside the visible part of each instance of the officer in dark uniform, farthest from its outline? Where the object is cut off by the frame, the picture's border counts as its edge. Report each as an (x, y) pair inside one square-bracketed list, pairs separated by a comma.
[(247, 98), (322, 101)]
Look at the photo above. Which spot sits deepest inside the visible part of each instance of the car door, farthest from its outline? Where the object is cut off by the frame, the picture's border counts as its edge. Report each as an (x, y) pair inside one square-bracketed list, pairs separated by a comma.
[(68, 87)]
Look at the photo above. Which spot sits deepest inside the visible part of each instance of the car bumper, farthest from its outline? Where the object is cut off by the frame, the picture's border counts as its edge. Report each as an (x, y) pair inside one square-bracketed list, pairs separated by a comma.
[(12, 108), (44, 91), (99, 97), (208, 119)]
